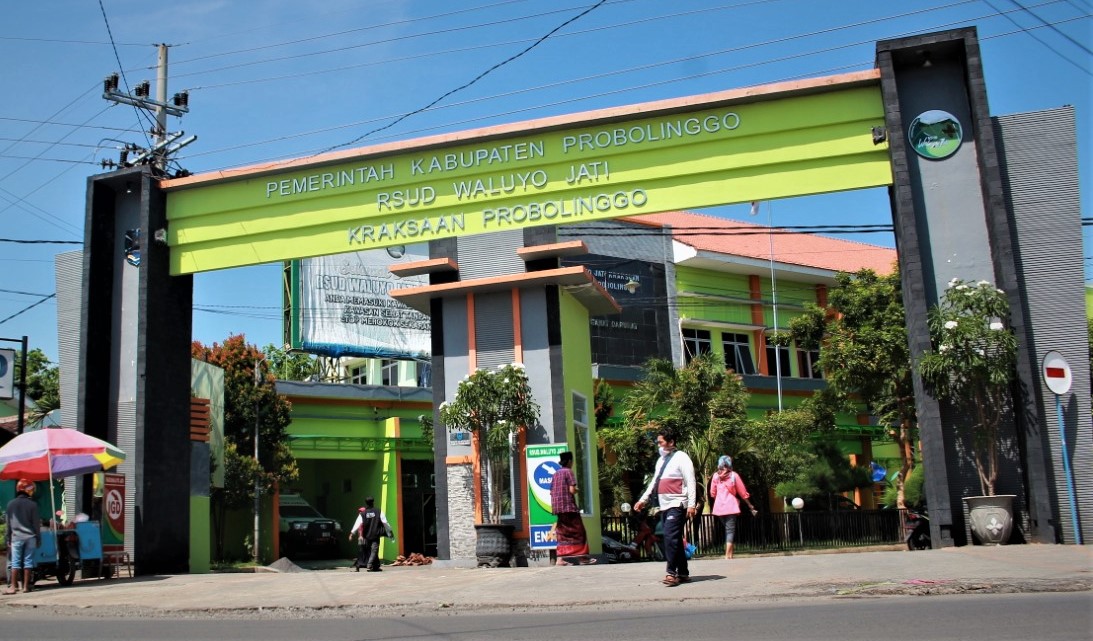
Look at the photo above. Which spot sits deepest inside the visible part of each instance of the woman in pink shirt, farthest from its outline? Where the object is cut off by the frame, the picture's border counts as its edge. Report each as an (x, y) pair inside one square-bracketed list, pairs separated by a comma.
[(726, 490)]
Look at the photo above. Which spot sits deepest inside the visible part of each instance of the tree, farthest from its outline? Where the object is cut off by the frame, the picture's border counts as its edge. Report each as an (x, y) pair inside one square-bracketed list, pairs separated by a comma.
[(493, 405), (286, 365), (972, 366), (778, 446), (828, 474), (862, 337), (702, 402), (250, 399)]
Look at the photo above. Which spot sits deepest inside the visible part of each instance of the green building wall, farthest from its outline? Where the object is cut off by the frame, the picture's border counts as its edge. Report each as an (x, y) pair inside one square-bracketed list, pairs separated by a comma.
[(577, 377)]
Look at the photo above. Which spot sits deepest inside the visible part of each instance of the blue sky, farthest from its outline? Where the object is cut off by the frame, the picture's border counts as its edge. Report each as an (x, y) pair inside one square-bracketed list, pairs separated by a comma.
[(272, 79)]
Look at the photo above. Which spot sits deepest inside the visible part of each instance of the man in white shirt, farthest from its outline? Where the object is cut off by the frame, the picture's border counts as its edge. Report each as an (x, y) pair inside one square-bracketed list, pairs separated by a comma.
[(673, 490)]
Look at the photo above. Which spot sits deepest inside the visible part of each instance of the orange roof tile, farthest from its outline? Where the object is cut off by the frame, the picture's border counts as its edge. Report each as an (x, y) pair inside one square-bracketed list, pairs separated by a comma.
[(806, 250)]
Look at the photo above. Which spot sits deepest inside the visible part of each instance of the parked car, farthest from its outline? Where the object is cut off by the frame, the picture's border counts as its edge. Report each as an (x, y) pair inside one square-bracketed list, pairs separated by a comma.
[(305, 531)]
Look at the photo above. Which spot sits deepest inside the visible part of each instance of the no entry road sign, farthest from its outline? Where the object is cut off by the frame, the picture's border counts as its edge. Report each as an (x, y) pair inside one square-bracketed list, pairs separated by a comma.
[(1056, 372)]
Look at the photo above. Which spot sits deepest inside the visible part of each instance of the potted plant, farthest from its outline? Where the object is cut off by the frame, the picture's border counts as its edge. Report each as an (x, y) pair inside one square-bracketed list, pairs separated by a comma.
[(493, 405), (972, 367)]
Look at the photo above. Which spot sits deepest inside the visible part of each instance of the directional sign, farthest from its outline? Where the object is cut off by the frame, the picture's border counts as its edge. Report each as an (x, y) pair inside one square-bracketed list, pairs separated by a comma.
[(7, 374), (1056, 372)]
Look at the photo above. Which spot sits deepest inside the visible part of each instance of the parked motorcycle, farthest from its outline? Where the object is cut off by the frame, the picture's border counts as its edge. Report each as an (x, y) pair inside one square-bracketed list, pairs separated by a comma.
[(647, 543), (917, 526), (618, 552)]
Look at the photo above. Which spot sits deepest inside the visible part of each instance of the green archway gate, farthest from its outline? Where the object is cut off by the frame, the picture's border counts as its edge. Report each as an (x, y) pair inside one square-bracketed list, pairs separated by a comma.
[(791, 139)]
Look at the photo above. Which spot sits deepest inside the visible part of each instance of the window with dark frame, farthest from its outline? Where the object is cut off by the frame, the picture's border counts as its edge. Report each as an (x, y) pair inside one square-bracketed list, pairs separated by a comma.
[(808, 363), (783, 359), (738, 353), (695, 343)]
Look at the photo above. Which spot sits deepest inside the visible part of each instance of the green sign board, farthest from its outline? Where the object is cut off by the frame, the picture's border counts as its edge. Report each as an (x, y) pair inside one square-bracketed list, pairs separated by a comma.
[(691, 154), (542, 463)]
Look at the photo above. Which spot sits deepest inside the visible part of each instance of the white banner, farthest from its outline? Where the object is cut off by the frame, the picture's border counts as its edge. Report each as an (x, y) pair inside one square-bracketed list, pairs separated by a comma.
[(7, 374), (344, 308)]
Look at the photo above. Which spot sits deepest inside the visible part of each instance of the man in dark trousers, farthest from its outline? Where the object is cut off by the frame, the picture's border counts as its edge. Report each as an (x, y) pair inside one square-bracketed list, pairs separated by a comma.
[(371, 525), (673, 490), (23, 535)]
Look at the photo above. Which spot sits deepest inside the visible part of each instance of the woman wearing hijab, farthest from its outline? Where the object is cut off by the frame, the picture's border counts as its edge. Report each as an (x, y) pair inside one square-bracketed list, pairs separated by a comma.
[(727, 490)]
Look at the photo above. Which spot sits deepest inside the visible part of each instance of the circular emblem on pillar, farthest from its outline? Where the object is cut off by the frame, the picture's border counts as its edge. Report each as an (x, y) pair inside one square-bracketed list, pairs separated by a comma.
[(114, 504), (935, 134)]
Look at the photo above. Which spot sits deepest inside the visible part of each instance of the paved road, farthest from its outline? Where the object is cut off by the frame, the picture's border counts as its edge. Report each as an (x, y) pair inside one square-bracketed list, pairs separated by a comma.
[(967, 570), (1045, 617)]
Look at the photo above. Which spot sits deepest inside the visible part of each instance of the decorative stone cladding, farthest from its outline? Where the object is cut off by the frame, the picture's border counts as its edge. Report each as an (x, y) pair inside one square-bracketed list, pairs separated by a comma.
[(461, 511)]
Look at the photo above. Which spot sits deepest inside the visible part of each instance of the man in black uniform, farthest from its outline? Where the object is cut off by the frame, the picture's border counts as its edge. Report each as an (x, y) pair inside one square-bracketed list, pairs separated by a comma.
[(371, 525)]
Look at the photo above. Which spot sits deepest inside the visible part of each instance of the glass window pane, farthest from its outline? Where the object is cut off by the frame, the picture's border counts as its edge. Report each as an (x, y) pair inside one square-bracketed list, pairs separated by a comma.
[(583, 451), (737, 353), (696, 342), (783, 361)]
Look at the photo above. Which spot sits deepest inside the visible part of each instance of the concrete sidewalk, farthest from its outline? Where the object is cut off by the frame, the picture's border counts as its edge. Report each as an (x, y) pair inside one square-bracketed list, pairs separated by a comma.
[(967, 569)]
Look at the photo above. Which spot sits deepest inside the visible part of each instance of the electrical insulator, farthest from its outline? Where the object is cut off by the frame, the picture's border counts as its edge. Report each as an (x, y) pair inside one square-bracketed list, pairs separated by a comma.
[(182, 99), (110, 83), (142, 90)]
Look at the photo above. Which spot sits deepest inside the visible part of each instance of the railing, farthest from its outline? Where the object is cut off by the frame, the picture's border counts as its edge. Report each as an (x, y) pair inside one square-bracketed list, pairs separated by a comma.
[(780, 532)]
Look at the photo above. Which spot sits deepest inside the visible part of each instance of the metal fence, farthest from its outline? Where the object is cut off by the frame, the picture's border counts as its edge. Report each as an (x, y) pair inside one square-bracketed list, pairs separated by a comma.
[(781, 532)]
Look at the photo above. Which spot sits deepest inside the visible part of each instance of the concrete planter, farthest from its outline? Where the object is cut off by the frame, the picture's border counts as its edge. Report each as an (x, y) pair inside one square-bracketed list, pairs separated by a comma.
[(991, 518)]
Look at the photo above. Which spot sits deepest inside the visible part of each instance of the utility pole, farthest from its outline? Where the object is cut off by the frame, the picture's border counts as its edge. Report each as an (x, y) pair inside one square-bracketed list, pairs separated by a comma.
[(165, 143), (257, 462), (161, 108)]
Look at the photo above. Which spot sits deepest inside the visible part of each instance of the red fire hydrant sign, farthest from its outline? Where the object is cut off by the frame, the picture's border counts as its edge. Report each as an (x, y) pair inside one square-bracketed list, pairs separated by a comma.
[(1056, 372)]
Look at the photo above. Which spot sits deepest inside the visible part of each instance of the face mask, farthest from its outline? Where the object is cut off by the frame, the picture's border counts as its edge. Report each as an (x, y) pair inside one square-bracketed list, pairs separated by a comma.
[(663, 451)]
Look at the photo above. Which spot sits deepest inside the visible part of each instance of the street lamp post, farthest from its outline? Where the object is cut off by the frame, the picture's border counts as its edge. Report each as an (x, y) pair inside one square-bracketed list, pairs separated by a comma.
[(798, 504)]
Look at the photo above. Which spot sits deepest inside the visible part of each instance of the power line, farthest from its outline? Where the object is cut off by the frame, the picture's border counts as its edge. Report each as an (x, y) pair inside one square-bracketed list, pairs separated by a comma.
[(777, 41), (75, 42), (139, 112), (1037, 38), (633, 69), (69, 124), (369, 27), (27, 308), (53, 143), (40, 242), (12, 291), (1052, 27), (474, 80), (619, 25), (41, 159)]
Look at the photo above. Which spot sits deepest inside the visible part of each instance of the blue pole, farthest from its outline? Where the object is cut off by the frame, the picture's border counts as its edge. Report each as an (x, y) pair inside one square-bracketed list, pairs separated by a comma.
[(1069, 475)]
